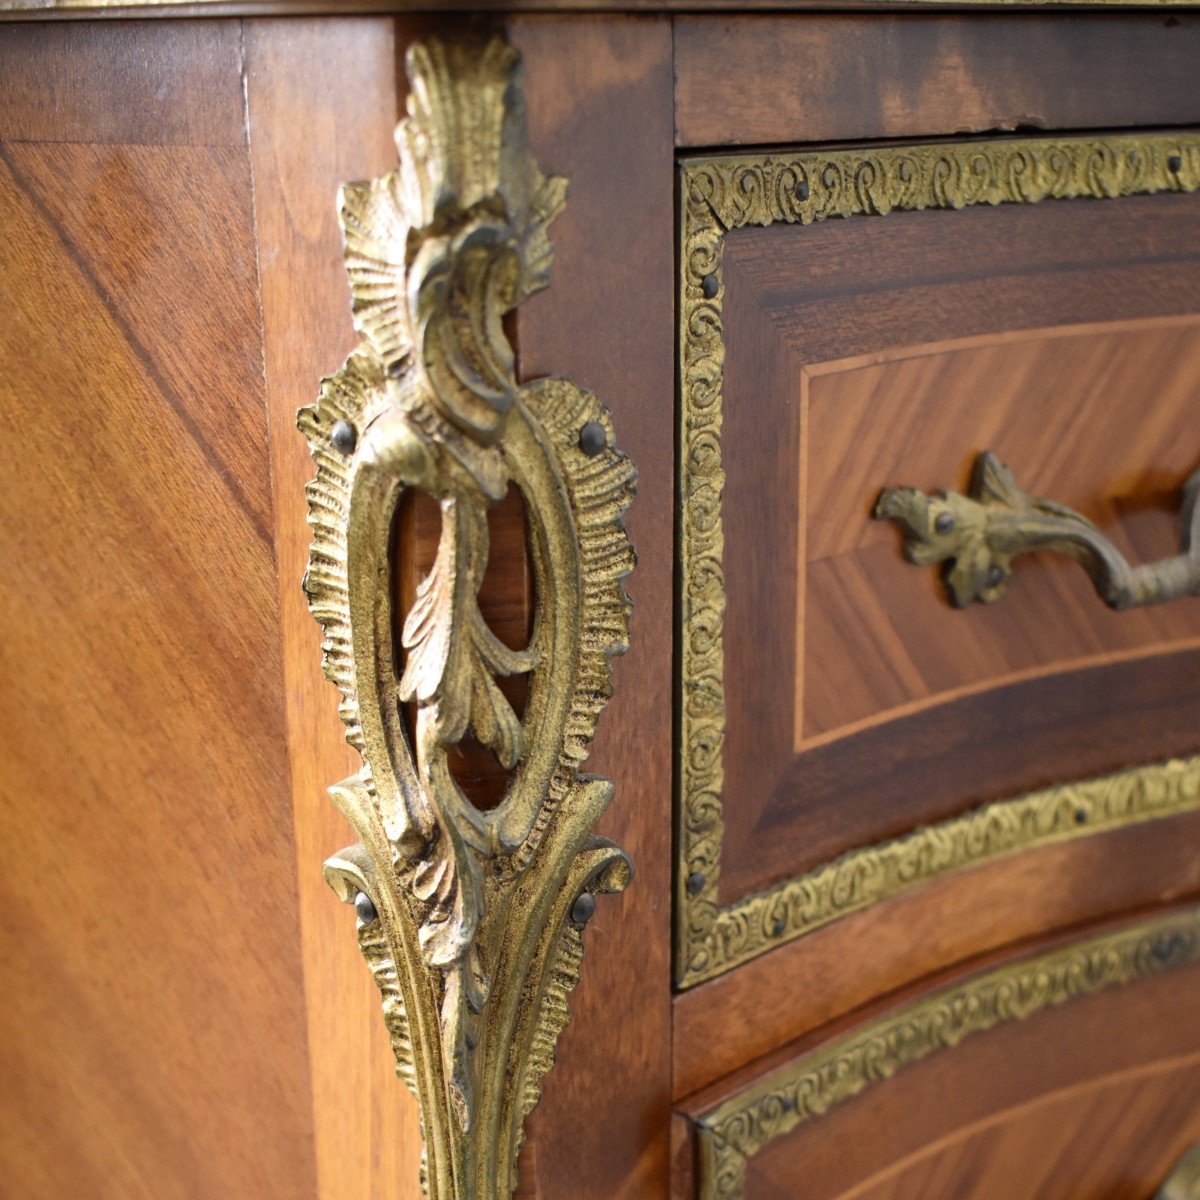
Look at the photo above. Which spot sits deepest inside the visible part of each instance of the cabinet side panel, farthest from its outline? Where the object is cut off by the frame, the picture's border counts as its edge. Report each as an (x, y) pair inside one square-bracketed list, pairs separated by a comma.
[(152, 1036), (322, 107)]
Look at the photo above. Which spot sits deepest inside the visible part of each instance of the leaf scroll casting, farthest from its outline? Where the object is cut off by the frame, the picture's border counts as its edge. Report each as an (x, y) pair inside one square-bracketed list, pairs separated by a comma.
[(470, 920)]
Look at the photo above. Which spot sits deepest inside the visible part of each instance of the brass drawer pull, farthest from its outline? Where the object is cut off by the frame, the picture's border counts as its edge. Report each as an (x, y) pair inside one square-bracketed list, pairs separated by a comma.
[(1184, 1181), (978, 535)]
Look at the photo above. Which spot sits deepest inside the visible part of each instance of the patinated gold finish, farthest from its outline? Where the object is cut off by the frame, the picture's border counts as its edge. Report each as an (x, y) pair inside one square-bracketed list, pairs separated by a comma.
[(727, 192), (470, 920), (978, 535), (807, 1088), (1184, 1182)]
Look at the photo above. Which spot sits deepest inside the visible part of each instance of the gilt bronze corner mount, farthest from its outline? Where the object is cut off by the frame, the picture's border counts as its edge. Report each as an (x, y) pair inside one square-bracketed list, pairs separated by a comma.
[(471, 920)]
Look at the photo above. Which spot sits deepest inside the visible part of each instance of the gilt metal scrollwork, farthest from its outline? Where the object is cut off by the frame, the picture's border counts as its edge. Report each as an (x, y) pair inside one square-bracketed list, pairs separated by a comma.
[(978, 535), (470, 920), (1184, 1180)]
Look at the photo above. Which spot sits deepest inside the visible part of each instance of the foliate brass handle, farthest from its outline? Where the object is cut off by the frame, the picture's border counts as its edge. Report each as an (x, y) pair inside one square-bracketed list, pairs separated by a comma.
[(978, 536), (1184, 1181), (471, 920)]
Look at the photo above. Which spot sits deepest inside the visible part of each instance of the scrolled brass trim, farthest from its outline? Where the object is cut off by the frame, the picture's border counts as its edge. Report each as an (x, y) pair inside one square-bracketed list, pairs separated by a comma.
[(471, 920), (725, 192), (806, 1088)]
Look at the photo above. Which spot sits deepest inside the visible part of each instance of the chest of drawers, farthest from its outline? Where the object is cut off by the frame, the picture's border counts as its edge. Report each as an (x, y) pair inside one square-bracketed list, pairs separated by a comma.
[(913, 910)]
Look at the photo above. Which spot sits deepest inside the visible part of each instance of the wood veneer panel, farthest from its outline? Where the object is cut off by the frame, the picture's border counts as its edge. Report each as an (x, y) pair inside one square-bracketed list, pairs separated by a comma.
[(796, 298), (1114, 1141), (788, 993), (162, 83), (599, 98), (764, 80), (322, 107), (1012, 1104), (1064, 410), (152, 1032)]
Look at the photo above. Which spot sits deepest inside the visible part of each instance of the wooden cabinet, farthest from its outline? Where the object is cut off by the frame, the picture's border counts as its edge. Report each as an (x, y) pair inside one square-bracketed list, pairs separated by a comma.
[(914, 912)]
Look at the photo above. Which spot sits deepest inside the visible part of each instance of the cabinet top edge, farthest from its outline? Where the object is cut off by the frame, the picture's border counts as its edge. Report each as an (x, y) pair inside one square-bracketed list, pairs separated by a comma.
[(31, 10)]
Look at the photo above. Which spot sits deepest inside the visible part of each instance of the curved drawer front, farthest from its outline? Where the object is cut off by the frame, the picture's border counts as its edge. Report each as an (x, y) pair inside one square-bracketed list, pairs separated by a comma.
[(1069, 1073), (846, 734)]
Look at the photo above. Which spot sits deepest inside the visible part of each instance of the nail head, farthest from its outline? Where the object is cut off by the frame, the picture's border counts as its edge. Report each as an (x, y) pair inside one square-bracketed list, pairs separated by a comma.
[(365, 907), (592, 438), (583, 908), (343, 437)]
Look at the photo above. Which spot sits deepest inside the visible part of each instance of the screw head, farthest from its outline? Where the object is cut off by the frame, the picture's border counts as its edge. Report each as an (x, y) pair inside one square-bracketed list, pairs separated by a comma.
[(343, 437), (944, 522), (1165, 947), (592, 438), (583, 908), (365, 907), (710, 285), (695, 883), (1175, 163)]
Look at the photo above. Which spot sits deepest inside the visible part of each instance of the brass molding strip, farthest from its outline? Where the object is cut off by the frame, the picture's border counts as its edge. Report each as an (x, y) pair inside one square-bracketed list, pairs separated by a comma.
[(870, 874), (810, 1086), (471, 920), (729, 191)]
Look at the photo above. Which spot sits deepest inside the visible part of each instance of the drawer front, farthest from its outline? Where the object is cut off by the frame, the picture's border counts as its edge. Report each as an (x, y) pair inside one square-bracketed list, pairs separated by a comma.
[(1072, 1072), (873, 317)]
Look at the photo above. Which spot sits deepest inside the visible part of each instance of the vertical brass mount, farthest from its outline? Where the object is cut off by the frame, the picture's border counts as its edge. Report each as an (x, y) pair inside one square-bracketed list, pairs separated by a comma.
[(471, 920)]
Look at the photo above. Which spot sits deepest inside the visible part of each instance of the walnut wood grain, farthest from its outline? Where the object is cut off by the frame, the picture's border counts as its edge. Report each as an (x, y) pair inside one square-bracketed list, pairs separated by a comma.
[(16, 11), (152, 1035), (871, 289), (51, 90), (1115, 1138), (322, 106), (838, 78), (598, 92)]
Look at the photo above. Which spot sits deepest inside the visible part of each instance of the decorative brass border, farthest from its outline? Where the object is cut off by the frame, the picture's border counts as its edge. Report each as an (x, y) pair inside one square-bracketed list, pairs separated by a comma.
[(808, 1087), (725, 192)]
